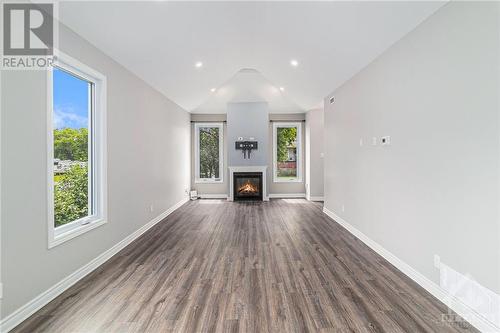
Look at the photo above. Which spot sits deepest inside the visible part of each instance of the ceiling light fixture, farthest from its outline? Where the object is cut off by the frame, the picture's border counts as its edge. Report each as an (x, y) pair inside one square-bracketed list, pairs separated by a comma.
[(212, 90), (282, 89), (199, 64), (294, 63)]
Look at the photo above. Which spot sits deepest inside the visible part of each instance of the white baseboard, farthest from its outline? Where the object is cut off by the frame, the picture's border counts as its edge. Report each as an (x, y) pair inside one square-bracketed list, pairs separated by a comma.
[(313, 198), (213, 196), (462, 309), (286, 195), (44, 298)]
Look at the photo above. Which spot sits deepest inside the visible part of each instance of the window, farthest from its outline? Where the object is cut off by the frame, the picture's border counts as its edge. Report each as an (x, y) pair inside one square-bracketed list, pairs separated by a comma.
[(76, 150), (287, 152), (209, 153)]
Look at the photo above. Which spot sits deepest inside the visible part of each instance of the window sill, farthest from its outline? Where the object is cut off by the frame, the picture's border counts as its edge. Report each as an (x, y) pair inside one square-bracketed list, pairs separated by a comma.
[(59, 238), (287, 181), (208, 181)]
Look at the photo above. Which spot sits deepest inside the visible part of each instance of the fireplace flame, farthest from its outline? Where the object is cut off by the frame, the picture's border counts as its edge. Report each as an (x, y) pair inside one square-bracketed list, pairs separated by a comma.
[(248, 187)]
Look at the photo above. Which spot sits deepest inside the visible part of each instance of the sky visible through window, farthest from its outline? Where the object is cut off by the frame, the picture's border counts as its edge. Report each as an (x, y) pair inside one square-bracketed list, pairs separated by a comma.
[(71, 148), (70, 101)]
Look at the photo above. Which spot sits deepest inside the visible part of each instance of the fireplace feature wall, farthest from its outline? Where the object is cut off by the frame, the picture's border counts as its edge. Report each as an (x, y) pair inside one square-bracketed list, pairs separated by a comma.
[(247, 185)]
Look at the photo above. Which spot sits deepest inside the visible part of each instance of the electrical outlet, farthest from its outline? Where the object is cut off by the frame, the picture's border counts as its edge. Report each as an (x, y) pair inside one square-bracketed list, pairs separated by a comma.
[(437, 261), (374, 141), (385, 140), (361, 142)]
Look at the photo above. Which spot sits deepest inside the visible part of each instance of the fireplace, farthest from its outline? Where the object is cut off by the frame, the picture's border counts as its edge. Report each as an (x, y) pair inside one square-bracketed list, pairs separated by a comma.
[(247, 185)]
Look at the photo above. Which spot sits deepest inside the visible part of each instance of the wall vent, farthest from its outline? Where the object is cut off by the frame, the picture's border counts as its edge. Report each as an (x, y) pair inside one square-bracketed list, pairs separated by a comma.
[(332, 100)]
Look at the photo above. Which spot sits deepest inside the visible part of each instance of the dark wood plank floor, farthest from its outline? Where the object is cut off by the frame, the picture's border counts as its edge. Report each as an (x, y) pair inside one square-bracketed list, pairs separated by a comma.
[(213, 266)]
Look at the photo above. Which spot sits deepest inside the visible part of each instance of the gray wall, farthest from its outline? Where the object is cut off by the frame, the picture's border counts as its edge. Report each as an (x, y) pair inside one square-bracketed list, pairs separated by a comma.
[(436, 189), (245, 116), (148, 163), (215, 188), (315, 148), (247, 120)]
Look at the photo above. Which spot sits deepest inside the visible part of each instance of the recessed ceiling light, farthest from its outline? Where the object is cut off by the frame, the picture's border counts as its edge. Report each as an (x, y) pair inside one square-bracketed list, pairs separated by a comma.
[(294, 63), (199, 64), (282, 89), (212, 90)]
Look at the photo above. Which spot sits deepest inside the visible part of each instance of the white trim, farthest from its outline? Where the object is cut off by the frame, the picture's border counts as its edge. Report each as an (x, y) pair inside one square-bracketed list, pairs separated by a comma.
[(44, 298), (257, 168), (298, 158), (315, 198), (462, 309), (97, 147), (286, 195), (197, 179), (213, 196)]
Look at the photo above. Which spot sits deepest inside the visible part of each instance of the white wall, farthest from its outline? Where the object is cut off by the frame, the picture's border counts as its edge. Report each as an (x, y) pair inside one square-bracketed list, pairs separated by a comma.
[(436, 189), (148, 163), (315, 148)]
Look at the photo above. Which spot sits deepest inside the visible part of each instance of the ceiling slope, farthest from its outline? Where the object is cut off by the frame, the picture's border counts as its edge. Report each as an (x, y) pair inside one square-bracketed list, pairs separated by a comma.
[(161, 42)]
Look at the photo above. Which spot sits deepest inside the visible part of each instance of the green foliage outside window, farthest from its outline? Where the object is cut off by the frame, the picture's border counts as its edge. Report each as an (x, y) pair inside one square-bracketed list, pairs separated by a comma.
[(71, 144), (209, 152), (286, 142), (71, 186), (286, 137), (71, 195)]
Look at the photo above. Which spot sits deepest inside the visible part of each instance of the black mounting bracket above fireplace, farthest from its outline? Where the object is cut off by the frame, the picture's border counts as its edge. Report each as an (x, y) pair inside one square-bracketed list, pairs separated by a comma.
[(246, 147)]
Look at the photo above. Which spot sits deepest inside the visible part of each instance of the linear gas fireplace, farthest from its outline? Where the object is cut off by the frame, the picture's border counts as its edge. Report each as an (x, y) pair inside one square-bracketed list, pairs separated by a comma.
[(247, 185)]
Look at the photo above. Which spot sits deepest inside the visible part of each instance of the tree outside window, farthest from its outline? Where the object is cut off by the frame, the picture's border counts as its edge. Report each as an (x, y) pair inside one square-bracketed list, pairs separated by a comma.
[(286, 149), (209, 152)]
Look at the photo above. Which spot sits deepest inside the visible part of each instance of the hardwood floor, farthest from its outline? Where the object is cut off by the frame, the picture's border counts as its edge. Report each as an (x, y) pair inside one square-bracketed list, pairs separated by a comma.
[(216, 266)]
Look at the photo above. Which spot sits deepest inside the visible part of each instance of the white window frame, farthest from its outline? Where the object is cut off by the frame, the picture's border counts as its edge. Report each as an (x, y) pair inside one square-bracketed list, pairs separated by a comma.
[(197, 178), (298, 179), (97, 147)]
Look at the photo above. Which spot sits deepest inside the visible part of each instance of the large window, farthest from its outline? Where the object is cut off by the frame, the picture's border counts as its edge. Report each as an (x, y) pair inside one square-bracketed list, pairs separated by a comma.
[(76, 150), (209, 152), (287, 152)]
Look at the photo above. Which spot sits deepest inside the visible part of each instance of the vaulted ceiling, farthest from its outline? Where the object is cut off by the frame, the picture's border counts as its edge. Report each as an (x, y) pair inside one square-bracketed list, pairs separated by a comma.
[(161, 42)]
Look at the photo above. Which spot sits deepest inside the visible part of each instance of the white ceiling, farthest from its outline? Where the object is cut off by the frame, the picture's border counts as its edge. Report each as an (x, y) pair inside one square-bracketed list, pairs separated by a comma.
[(161, 41), (248, 85)]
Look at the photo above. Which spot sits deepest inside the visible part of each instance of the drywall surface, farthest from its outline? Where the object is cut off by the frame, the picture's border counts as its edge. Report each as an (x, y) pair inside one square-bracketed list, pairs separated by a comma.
[(315, 149), (214, 189), (435, 189), (247, 120), (148, 144)]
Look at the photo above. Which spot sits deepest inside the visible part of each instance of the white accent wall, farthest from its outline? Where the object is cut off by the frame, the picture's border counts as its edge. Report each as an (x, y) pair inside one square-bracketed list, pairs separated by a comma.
[(148, 164), (435, 189)]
